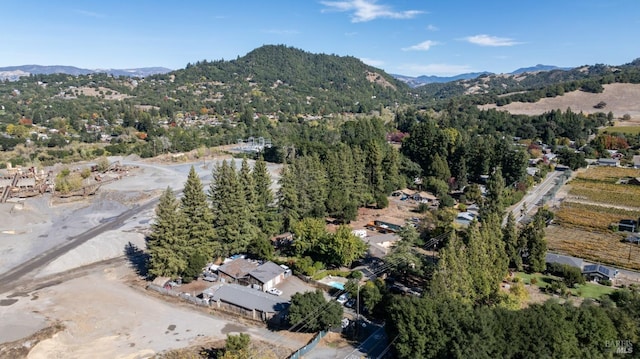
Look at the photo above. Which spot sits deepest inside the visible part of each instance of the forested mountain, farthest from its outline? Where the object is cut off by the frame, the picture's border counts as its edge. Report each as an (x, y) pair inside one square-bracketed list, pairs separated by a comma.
[(536, 85), (278, 78)]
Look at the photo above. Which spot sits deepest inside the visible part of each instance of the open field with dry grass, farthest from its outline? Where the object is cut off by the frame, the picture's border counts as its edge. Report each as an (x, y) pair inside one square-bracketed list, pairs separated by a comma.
[(593, 204), (621, 99)]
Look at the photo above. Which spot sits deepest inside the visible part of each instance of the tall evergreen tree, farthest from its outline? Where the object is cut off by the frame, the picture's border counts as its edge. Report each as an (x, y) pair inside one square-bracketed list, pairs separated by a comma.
[(198, 217), (375, 176), (534, 235), (340, 199), (494, 201), (167, 240), (229, 205), (266, 213), (288, 201), (452, 279), (512, 243)]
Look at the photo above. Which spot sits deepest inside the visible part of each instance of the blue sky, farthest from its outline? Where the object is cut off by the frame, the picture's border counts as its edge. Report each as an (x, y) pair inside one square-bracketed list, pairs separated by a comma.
[(408, 37)]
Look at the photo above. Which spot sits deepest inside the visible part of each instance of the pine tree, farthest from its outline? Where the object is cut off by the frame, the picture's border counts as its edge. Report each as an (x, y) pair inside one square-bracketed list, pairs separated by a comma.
[(167, 240), (375, 176), (452, 278), (248, 186), (534, 235), (361, 193), (391, 171), (479, 264), (198, 218), (494, 202), (288, 206), (266, 212), (340, 199), (512, 243), (232, 218)]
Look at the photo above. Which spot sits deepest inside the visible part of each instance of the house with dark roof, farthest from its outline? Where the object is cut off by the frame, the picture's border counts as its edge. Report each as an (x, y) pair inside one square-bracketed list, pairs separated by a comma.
[(242, 300), (598, 272), (560, 259), (236, 270), (266, 276), (261, 276), (610, 162)]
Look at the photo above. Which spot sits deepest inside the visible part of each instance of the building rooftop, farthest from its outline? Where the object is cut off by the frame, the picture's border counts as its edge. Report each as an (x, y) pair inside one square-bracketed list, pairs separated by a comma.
[(598, 268), (248, 298), (266, 272), (560, 259), (238, 268)]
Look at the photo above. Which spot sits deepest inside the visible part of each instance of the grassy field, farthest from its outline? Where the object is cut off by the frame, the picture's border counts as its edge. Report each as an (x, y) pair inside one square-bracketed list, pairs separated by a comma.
[(630, 130), (587, 290)]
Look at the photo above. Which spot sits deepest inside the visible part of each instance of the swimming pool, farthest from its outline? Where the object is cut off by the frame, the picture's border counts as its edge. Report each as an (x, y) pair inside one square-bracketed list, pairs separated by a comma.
[(337, 285)]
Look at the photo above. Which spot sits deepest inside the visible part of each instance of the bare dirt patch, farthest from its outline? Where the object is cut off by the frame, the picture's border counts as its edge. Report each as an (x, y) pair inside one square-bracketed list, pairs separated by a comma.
[(620, 98), (397, 212), (20, 348)]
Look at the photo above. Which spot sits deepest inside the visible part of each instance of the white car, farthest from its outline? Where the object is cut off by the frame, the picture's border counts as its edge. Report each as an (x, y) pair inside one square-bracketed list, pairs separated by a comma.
[(274, 291), (343, 298)]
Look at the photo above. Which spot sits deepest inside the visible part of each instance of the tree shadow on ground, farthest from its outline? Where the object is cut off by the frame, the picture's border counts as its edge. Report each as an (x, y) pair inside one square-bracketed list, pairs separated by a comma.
[(137, 258)]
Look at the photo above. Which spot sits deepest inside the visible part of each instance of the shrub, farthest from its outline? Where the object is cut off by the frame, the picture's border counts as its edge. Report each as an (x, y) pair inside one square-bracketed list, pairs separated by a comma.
[(356, 274), (605, 282), (534, 280)]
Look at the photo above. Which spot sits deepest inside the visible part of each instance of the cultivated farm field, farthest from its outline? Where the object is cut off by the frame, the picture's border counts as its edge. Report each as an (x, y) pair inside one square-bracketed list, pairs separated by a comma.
[(585, 223), (595, 246)]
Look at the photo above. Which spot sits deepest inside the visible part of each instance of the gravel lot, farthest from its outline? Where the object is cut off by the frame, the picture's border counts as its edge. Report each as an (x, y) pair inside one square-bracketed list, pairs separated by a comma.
[(104, 317)]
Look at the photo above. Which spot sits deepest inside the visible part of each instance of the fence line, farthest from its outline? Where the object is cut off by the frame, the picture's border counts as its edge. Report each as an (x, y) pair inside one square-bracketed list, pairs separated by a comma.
[(309, 346)]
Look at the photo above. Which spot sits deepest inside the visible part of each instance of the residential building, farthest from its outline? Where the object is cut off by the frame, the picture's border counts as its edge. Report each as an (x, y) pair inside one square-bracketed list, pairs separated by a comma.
[(598, 272)]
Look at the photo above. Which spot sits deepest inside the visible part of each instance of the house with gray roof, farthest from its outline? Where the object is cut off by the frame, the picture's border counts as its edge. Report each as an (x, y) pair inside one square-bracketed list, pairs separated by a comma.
[(248, 302), (380, 244), (610, 162), (262, 276), (560, 259), (266, 276)]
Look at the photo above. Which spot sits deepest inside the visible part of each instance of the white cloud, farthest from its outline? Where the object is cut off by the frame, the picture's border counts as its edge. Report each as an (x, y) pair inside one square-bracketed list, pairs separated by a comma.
[(432, 28), (423, 46), (372, 62), (367, 10), (433, 69), (486, 40)]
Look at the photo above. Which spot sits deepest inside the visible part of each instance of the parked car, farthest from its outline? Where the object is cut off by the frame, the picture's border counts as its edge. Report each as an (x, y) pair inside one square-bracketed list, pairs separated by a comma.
[(350, 303), (209, 277), (274, 291), (343, 298)]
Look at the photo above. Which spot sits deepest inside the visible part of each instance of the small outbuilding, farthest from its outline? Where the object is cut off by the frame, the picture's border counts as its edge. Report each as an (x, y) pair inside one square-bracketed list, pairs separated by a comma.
[(598, 272)]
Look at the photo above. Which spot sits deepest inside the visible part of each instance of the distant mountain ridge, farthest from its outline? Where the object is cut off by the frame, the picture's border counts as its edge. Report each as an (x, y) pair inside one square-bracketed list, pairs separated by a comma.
[(424, 80), (13, 73)]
